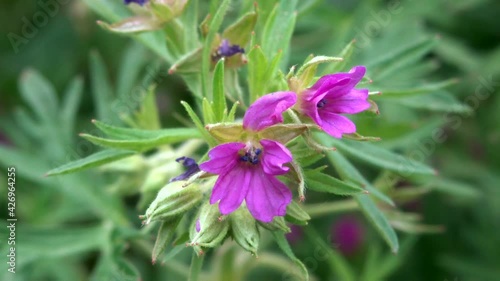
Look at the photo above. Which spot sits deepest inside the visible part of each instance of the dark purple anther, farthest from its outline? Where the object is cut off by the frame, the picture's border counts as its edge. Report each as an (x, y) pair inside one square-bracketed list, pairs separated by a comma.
[(140, 2), (227, 50), (321, 103), (191, 166)]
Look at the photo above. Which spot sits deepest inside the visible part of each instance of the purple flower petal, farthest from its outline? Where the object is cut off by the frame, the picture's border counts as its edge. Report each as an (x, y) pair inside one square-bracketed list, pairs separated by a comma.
[(267, 110), (275, 155), (295, 235), (336, 125), (198, 226), (231, 188), (222, 157), (227, 50), (347, 81), (332, 95), (350, 103), (190, 164), (347, 234), (267, 197)]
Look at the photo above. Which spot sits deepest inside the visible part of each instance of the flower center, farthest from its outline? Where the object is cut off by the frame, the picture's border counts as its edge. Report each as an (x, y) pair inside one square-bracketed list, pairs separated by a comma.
[(321, 103), (251, 156)]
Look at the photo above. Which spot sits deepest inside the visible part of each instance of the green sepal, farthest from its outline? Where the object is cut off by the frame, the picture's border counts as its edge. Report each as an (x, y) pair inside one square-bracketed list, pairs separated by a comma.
[(132, 25), (167, 10), (284, 133), (213, 228), (173, 199), (165, 237), (227, 132), (296, 215), (278, 224), (244, 229)]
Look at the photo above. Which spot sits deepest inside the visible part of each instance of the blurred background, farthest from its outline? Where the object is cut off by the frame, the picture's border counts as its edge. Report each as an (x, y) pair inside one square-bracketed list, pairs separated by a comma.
[(62, 221)]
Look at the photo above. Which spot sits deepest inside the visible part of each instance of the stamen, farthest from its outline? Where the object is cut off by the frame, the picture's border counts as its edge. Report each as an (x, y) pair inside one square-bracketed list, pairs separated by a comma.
[(252, 156), (321, 103)]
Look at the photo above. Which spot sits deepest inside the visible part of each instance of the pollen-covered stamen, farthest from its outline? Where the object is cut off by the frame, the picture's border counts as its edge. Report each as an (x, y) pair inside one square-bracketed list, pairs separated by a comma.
[(251, 156), (321, 103)]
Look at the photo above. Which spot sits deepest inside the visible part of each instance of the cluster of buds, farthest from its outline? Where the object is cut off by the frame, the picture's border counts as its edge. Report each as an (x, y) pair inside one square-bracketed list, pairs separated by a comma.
[(252, 157)]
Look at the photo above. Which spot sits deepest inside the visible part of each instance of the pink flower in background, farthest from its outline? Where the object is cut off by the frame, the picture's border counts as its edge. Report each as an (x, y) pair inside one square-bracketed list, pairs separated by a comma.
[(347, 234), (333, 95), (295, 235), (247, 171)]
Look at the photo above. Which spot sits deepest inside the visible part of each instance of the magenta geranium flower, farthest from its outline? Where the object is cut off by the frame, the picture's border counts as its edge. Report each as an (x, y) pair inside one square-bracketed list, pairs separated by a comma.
[(247, 170), (333, 95)]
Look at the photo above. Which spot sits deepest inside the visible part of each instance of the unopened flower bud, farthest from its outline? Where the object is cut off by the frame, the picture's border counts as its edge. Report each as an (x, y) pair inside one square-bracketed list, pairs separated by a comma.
[(212, 229), (296, 215), (244, 229), (166, 10), (278, 223), (172, 200)]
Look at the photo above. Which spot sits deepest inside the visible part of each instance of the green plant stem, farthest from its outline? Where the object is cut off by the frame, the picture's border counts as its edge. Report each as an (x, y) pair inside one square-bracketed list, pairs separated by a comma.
[(316, 210)]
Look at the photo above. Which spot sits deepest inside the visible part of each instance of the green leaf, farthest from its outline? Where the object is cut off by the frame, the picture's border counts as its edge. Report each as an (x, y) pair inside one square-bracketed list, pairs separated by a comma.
[(218, 91), (199, 125), (94, 160), (232, 113), (190, 22), (440, 101), (148, 117), (280, 239), (424, 89), (396, 60), (338, 264), (188, 63), (133, 59), (279, 28), (215, 24), (37, 244), (345, 54), (257, 65), (240, 32), (456, 189), (39, 94), (378, 156), (315, 61), (146, 140), (69, 110), (379, 221), (114, 267), (195, 269), (165, 237), (208, 112), (349, 173), (321, 182), (101, 88)]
